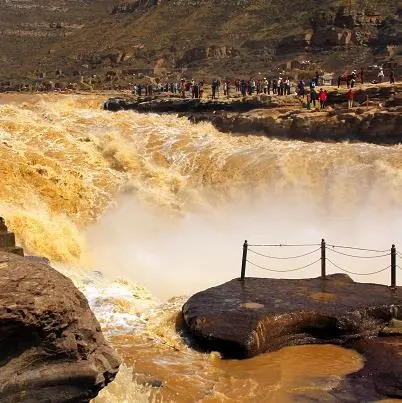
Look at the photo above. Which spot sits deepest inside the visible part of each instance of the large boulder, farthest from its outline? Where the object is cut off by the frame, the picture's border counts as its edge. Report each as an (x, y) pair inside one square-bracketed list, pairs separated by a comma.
[(241, 319), (52, 347)]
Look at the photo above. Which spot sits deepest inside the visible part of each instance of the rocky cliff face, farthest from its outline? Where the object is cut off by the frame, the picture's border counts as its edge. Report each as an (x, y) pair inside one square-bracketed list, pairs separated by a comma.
[(204, 37), (52, 347)]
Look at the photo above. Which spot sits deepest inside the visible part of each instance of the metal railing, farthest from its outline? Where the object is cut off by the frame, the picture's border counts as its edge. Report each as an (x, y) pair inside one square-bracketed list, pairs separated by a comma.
[(320, 249)]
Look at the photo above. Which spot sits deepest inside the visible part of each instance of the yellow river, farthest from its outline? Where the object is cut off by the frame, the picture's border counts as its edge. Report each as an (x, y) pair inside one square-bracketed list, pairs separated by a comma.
[(142, 210)]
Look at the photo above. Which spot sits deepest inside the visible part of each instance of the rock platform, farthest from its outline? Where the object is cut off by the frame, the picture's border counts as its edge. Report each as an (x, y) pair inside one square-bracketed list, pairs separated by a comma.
[(377, 117), (243, 319)]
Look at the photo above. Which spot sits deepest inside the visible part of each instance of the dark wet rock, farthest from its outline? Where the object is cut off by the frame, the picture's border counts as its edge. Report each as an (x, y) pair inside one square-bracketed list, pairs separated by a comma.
[(52, 347), (179, 105), (153, 383), (381, 375), (243, 319)]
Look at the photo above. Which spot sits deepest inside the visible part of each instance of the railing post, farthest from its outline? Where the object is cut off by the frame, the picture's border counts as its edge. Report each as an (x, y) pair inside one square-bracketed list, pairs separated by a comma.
[(244, 261), (393, 266), (323, 260)]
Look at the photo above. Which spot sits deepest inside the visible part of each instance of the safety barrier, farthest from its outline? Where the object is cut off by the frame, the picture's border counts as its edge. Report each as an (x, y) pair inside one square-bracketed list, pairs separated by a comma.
[(321, 249)]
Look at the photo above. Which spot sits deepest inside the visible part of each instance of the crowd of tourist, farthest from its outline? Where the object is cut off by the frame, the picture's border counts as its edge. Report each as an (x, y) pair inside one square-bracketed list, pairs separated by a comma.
[(352, 78), (281, 86)]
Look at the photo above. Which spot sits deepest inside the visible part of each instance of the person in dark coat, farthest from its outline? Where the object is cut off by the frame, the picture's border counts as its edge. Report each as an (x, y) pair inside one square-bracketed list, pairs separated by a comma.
[(274, 86), (392, 77), (314, 97), (243, 87), (300, 89)]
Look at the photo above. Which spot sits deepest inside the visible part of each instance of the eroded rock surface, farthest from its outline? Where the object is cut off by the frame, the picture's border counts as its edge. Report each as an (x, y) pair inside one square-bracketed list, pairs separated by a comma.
[(52, 347), (243, 319)]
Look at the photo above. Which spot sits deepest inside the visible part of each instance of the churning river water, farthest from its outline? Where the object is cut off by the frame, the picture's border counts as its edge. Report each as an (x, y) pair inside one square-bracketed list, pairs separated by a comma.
[(142, 210)]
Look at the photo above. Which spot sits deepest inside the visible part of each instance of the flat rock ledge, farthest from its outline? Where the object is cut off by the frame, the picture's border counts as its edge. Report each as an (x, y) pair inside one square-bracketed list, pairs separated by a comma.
[(52, 347), (243, 319), (376, 121)]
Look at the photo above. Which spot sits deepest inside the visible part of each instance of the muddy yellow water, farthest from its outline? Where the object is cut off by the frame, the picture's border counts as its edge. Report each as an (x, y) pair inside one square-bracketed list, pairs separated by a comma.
[(166, 205), (308, 371)]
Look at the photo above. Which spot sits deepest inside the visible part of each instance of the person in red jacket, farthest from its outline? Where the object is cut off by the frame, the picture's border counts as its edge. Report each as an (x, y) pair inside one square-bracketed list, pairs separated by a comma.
[(351, 96), (322, 96)]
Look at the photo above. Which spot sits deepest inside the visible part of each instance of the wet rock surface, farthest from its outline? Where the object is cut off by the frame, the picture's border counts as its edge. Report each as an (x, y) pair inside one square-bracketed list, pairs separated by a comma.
[(52, 347), (243, 319)]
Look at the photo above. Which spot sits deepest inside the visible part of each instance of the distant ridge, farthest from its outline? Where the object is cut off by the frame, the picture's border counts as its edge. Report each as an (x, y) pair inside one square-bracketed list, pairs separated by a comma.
[(196, 37)]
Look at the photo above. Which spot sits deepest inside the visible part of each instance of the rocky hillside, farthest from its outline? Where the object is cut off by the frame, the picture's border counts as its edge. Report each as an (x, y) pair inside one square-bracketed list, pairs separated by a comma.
[(80, 39)]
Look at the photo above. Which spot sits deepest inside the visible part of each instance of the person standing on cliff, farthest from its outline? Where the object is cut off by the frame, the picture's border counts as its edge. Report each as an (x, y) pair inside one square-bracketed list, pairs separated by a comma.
[(322, 96), (243, 87), (300, 89), (218, 87), (274, 86), (183, 88), (214, 88), (353, 79), (308, 100), (380, 74), (392, 76), (228, 88), (201, 89), (350, 96), (314, 97), (265, 85)]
